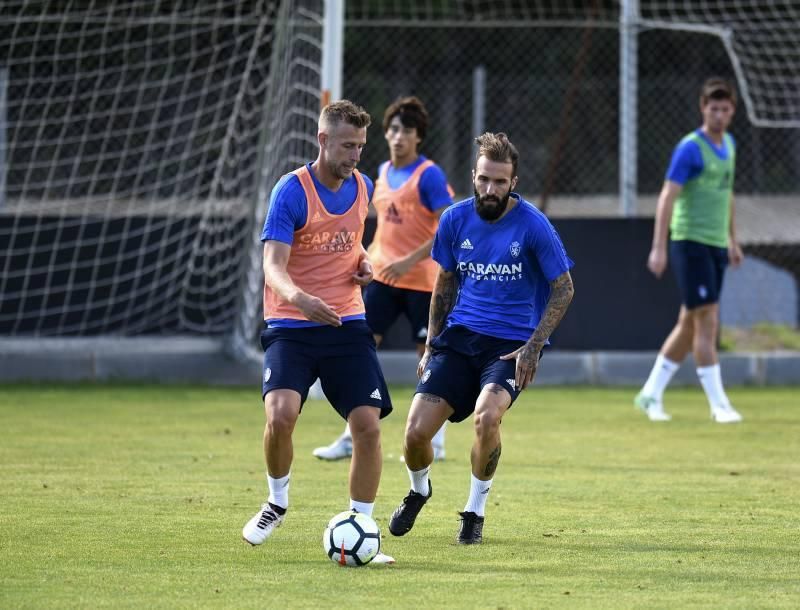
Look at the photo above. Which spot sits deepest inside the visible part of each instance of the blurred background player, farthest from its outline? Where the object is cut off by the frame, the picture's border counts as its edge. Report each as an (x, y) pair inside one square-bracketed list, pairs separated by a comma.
[(502, 287), (411, 193), (315, 326), (696, 206)]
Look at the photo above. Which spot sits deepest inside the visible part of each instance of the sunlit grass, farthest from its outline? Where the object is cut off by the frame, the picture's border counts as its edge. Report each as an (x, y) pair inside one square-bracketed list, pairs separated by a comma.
[(134, 496)]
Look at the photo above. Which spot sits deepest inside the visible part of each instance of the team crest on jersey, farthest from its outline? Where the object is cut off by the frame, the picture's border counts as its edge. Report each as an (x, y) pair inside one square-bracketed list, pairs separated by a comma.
[(515, 249), (426, 375), (267, 375)]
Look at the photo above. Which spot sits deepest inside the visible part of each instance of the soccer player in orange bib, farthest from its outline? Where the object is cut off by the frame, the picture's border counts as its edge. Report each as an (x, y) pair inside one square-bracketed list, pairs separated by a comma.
[(411, 193), (315, 325)]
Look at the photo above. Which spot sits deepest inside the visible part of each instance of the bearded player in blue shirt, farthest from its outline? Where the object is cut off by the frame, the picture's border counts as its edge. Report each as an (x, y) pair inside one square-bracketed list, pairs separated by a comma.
[(502, 288)]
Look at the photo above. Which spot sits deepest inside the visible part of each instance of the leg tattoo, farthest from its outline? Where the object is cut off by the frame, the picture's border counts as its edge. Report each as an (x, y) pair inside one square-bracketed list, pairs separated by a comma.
[(491, 465)]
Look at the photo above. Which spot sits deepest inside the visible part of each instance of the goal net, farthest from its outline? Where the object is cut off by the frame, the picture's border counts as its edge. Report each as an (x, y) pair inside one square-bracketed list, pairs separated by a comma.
[(762, 39), (136, 140)]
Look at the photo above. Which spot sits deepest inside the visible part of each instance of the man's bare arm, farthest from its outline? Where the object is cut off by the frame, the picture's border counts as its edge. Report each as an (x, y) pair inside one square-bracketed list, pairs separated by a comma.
[(561, 293), (443, 300), (276, 260)]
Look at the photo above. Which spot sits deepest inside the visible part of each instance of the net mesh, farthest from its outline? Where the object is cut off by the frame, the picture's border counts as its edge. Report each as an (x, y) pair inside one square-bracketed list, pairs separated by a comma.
[(131, 134), (762, 39)]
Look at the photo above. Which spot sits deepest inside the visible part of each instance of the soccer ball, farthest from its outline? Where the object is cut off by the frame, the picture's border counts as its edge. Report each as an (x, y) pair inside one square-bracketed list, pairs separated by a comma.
[(352, 539)]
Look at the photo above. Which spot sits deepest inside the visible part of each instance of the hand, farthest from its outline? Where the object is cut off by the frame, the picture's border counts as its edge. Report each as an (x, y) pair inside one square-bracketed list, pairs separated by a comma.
[(363, 276), (394, 271), (423, 362), (317, 310), (735, 255), (527, 358), (657, 261)]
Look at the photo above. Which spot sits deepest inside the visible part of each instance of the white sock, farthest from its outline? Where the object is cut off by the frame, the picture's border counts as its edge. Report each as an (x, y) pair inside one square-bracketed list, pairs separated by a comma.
[(419, 480), (347, 435), (365, 508), (711, 380), (279, 491), (438, 438), (660, 376), (478, 493)]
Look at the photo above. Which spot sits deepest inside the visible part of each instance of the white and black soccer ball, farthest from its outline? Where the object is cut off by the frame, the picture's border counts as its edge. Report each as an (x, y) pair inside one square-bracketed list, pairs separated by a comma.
[(352, 539)]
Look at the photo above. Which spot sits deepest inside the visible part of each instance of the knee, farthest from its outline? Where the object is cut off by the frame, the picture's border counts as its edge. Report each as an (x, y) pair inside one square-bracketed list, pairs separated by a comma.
[(416, 435), (486, 422), (686, 322), (281, 418), (705, 321), (366, 431)]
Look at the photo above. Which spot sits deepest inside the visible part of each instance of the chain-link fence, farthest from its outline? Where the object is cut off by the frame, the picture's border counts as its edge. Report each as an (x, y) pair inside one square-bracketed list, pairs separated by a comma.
[(555, 91), (552, 81)]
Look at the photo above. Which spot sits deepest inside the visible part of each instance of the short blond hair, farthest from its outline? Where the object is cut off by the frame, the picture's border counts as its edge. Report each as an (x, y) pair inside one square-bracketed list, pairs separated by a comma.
[(497, 147), (343, 111)]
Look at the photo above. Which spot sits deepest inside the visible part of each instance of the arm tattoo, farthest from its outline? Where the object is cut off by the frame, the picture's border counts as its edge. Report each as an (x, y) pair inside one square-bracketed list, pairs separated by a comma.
[(442, 301), (561, 291), (491, 465)]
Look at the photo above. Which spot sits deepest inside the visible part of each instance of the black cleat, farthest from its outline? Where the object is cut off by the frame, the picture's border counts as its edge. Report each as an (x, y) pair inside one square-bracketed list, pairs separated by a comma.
[(471, 530), (403, 518)]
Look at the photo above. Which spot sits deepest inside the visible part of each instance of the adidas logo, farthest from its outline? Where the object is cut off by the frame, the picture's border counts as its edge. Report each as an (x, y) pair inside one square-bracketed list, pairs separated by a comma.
[(392, 215), (317, 217), (376, 394), (512, 383), (466, 244)]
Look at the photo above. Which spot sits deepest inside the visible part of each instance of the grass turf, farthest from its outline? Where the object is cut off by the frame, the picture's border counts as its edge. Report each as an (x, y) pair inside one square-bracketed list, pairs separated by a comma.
[(134, 496)]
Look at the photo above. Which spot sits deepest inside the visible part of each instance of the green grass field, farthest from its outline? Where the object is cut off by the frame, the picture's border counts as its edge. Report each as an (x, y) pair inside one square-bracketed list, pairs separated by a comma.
[(135, 496)]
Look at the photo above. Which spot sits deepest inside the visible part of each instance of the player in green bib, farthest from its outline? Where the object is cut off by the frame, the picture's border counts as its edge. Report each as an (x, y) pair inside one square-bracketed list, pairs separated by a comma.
[(695, 208)]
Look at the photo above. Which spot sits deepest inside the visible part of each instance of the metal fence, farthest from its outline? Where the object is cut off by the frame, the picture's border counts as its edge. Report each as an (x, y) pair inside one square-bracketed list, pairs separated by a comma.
[(549, 76)]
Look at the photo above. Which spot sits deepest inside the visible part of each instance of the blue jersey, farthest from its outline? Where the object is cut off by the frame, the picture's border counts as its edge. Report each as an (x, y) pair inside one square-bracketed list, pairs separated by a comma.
[(687, 160), (434, 193), (287, 204), (504, 269)]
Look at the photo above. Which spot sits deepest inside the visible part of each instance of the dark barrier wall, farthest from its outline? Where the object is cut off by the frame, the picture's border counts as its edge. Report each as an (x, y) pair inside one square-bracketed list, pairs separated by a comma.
[(618, 304), (152, 277)]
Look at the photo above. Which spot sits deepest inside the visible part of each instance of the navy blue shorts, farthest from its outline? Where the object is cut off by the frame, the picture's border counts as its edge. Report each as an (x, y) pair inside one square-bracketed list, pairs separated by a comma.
[(385, 303), (699, 270), (344, 358), (462, 363)]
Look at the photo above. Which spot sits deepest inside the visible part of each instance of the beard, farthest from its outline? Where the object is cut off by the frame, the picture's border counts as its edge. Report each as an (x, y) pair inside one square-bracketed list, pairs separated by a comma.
[(490, 207), (340, 170)]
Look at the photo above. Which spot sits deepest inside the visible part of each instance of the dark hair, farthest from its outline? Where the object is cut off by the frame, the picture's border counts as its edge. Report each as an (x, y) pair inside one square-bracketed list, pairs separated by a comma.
[(412, 113), (717, 88), (344, 111), (497, 147)]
